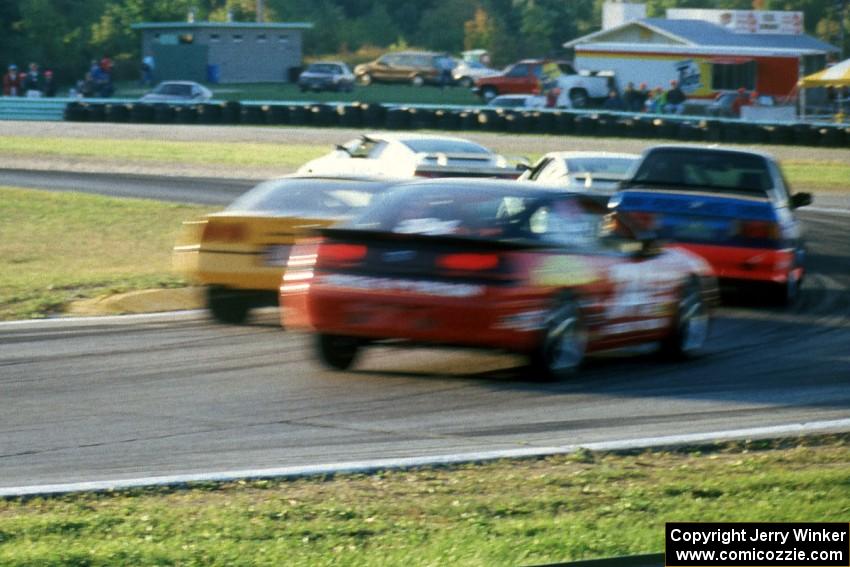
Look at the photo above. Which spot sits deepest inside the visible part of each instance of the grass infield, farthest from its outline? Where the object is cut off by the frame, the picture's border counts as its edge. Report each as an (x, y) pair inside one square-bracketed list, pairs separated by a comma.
[(57, 247), (525, 512), (811, 174)]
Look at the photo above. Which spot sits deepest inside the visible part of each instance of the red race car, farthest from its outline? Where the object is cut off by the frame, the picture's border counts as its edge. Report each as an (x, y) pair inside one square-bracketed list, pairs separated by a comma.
[(496, 265)]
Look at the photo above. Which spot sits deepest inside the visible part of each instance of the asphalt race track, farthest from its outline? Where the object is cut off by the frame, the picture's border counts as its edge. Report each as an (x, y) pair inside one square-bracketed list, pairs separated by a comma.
[(129, 398)]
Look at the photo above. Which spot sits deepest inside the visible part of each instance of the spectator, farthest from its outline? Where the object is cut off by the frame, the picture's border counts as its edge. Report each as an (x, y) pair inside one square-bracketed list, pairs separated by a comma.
[(640, 98), (675, 103), (148, 65), (49, 85), (613, 102), (741, 100), (22, 79), (656, 101), (32, 82), (11, 83), (629, 96), (445, 66), (754, 98)]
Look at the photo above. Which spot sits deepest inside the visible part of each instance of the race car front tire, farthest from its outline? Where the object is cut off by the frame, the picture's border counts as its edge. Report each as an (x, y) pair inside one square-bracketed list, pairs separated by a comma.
[(337, 352)]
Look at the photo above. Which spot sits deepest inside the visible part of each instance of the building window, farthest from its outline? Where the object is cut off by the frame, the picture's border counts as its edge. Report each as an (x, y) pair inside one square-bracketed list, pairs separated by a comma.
[(237, 38), (261, 38), (214, 38), (168, 39), (283, 38), (732, 76)]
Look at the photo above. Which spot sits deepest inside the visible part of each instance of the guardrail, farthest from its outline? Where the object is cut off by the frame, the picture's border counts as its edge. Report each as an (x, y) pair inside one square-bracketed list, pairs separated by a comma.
[(432, 117)]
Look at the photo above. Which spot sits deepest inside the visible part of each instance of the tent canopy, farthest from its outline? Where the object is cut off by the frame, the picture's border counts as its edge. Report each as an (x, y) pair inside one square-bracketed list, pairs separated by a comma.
[(836, 76)]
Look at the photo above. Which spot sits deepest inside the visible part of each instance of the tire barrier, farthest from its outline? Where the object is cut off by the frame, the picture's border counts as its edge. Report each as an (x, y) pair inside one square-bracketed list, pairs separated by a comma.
[(278, 114), (185, 115), (298, 115), (231, 113), (116, 113), (74, 112), (447, 120), (397, 119), (163, 114), (210, 113), (349, 116), (322, 115), (422, 118), (543, 121), (252, 114)]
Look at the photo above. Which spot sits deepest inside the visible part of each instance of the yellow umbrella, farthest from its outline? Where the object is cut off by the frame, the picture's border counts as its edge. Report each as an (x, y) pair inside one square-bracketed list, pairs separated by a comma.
[(836, 76)]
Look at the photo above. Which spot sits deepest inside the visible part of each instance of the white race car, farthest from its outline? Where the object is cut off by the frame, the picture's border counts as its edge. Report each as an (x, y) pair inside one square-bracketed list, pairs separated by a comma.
[(401, 155), (591, 172)]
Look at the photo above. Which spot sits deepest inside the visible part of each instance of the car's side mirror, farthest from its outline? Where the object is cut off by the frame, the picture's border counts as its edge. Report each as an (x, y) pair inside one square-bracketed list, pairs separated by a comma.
[(800, 200), (341, 148)]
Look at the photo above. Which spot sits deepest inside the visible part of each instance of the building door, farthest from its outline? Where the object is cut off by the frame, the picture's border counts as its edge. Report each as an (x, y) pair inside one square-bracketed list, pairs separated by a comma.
[(181, 62)]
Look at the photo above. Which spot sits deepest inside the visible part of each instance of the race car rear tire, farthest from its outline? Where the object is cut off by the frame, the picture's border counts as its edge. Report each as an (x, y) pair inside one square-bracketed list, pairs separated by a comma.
[(417, 80), (466, 82), (690, 326), (785, 294), (364, 79), (228, 306), (562, 348), (337, 352)]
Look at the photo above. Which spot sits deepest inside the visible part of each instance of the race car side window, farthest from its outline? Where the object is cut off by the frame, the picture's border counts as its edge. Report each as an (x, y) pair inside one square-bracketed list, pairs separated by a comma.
[(555, 169), (783, 190), (539, 168)]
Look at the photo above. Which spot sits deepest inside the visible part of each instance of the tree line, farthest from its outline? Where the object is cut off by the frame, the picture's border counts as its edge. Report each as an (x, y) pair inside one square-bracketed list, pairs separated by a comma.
[(65, 35)]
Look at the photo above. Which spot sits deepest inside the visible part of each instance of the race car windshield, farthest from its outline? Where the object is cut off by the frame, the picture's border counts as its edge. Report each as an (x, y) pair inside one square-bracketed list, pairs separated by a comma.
[(614, 166), (483, 213), (430, 146), (306, 197), (719, 171), (327, 68)]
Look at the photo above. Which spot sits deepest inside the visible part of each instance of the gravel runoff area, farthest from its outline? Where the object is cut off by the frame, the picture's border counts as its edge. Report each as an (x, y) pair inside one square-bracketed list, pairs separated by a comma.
[(507, 144)]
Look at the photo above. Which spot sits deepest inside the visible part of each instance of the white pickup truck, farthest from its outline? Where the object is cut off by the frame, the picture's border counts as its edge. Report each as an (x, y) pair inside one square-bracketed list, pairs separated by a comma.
[(536, 76)]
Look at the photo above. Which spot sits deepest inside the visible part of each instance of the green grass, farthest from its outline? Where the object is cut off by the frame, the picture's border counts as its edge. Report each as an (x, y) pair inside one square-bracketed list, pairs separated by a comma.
[(817, 175), (288, 156), (386, 93), (57, 247), (505, 513)]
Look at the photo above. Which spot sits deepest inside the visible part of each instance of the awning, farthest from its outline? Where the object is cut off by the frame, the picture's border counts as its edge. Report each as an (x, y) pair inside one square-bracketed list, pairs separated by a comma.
[(836, 76), (731, 60)]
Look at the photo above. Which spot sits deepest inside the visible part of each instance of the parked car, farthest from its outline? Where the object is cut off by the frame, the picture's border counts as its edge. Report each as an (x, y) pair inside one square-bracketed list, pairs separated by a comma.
[(533, 76), (326, 76), (518, 101), (473, 64), (239, 254), (402, 155), (414, 67), (732, 207), (178, 91), (493, 264), (596, 173)]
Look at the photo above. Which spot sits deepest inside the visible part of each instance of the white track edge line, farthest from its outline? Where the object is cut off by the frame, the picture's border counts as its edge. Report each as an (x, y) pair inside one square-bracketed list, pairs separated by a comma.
[(363, 467)]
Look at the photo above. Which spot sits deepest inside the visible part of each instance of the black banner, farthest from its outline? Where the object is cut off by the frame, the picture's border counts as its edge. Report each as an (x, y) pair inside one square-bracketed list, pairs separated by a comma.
[(753, 544)]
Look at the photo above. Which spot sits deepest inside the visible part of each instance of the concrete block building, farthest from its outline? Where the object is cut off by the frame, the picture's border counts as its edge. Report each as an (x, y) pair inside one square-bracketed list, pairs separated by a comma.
[(223, 52)]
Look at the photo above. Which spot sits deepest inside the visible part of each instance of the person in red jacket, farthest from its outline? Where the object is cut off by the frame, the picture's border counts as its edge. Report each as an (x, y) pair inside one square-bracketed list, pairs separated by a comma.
[(741, 100), (11, 82)]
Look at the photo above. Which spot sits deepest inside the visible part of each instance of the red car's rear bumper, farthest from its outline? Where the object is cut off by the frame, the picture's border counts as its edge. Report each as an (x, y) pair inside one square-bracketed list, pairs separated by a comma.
[(750, 264), (498, 318)]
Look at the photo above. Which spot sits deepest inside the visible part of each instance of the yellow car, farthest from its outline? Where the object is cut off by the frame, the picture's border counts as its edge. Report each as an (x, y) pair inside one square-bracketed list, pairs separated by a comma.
[(239, 254)]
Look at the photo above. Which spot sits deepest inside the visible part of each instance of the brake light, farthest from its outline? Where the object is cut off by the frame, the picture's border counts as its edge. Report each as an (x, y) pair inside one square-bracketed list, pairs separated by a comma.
[(468, 262), (759, 230), (642, 220), (342, 253), (224, 232)]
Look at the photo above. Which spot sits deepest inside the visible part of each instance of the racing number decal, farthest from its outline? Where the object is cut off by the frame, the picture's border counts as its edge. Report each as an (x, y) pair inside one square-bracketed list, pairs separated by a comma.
[(636, 287)]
